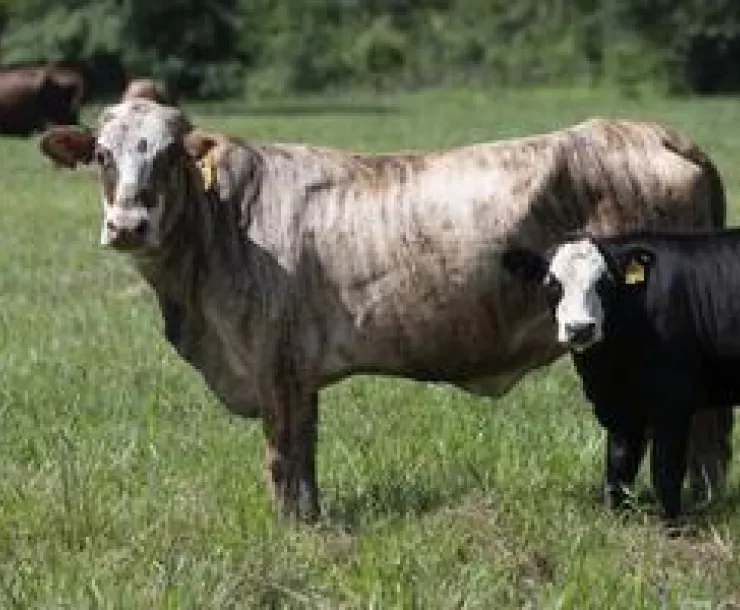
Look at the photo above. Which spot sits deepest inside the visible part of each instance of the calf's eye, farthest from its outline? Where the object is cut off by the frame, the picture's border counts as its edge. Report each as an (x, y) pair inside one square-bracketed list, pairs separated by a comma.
[(553, 290)]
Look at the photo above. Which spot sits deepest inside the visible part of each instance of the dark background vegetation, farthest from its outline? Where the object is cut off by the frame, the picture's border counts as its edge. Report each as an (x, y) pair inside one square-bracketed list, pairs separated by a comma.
[(218, 48)]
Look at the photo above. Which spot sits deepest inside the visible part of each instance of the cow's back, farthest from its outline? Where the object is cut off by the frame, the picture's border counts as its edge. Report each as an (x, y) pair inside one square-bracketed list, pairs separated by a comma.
[(419, 252), (620, 176)]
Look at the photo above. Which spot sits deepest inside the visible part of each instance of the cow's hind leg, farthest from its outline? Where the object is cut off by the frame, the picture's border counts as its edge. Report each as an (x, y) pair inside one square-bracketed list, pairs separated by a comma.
[(624, 454), (291, 428), (710, 450), (669, 449)]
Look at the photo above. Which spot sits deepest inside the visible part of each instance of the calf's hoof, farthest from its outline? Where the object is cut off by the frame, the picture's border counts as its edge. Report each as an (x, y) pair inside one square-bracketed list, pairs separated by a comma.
[(617, 497), (675, 527)]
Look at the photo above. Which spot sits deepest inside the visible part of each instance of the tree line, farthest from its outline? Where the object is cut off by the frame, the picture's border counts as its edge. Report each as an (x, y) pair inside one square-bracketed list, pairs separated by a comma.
[(219, 48)]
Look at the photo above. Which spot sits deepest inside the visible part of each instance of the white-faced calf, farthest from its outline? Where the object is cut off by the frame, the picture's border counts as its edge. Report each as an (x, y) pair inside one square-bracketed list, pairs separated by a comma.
[(653, 323)]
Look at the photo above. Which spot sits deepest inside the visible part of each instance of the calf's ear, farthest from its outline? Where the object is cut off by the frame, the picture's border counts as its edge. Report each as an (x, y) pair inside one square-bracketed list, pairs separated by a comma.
[(68, 145), (524, 264)]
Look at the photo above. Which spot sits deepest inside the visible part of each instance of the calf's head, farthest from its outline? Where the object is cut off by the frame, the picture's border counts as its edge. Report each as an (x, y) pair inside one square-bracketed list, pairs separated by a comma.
[(580, 278), (143, 154)]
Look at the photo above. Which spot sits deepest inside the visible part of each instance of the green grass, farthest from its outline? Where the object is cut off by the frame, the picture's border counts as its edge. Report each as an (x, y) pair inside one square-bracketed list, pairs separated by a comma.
[(124, 484)]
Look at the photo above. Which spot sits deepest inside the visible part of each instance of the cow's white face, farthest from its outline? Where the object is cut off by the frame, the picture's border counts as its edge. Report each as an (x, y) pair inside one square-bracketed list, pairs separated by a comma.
[(575, 274), (136, 151), (143, 151), (575, 278)]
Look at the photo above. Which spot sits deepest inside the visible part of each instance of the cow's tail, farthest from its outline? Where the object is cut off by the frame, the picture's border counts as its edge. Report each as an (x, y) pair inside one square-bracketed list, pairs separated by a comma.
[(689, 150)]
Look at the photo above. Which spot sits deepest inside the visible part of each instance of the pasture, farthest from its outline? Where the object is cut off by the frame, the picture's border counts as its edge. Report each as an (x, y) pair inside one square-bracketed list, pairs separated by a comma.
[(124, 484)]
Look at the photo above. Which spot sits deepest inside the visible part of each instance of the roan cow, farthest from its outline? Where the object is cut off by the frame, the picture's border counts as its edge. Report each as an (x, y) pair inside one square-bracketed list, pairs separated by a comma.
[(654, 325), (33, 97), (280, 269)]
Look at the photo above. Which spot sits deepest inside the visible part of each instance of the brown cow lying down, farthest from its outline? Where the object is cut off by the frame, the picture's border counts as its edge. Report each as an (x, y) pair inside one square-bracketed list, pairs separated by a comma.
[(35, 96), (280, 269)]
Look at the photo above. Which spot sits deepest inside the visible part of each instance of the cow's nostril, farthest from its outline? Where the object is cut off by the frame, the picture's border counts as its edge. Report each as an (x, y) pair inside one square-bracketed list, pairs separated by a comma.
[(141, 227), (581, 332)]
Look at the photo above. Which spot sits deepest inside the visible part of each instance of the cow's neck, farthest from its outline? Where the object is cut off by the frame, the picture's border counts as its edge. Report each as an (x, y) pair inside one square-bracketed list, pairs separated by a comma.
[(177, 270)]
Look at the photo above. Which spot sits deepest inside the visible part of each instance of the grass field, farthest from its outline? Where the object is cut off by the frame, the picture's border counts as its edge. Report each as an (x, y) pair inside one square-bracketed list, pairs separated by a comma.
[(124, 484)]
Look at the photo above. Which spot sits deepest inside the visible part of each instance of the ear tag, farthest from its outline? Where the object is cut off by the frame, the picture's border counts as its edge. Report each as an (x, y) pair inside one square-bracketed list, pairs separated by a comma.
[(634, 273), (208, 170)]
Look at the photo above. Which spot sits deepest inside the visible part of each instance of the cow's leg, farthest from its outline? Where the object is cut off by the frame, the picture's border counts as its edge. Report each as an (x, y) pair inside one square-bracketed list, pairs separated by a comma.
[(670, 441), (624, 453), (710, 450), (291, 428)]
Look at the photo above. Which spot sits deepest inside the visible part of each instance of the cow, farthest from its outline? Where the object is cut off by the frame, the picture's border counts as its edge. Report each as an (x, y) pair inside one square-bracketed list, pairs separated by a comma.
[(280, 269), (653, 324), (33, 97), (146, 88)]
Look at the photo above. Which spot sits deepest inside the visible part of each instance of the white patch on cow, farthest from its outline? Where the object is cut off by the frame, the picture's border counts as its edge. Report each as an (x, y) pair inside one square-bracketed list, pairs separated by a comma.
[(578, 266)]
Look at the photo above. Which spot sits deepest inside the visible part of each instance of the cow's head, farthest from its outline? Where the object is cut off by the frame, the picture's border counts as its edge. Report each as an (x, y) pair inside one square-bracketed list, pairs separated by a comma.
[(143, 154), (580, 278)]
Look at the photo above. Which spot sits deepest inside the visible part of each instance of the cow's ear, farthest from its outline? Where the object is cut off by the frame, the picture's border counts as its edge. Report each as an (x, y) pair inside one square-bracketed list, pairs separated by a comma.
[(68, 145), (524, 264), (635, 263), (198, 143)]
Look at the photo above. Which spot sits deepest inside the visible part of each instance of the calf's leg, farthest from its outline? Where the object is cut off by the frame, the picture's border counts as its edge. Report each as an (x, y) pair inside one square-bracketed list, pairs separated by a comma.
[(291, 430), (710, 451), (624, 453), (669, 449)]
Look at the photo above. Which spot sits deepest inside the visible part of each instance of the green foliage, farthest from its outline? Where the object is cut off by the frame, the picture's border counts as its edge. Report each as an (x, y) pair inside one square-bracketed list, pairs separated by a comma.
[(188, 44), (219, 48), (191, 46)]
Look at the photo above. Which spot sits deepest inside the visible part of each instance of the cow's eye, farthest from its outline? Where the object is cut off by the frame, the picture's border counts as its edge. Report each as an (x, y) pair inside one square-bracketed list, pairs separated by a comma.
[(165, 159), (553, 290), (103, 158)]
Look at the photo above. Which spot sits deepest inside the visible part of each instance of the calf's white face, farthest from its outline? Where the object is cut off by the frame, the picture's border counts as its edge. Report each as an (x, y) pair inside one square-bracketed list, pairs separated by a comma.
[(574, 273)]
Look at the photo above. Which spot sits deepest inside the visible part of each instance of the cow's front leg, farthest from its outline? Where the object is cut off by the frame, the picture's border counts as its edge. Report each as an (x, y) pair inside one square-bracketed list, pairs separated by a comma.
[(670, 442), (624, 454), (291, 428)]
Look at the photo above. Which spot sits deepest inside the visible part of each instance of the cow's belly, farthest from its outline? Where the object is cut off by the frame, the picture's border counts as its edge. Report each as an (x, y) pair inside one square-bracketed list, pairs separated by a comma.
[(493, 386), (464, 343)]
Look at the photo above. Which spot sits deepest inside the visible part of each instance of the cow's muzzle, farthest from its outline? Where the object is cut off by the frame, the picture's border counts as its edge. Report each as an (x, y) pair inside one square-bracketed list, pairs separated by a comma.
[(131, 233), (580, 336)]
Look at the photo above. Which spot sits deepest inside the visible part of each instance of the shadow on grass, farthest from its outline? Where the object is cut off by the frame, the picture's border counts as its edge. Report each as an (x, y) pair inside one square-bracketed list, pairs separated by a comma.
[(226, 109), (396, 497)]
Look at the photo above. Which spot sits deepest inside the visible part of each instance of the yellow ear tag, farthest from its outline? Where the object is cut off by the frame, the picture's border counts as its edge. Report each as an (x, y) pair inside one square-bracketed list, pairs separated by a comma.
[(634, 273), (207, 170)]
